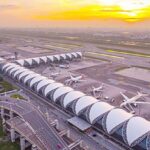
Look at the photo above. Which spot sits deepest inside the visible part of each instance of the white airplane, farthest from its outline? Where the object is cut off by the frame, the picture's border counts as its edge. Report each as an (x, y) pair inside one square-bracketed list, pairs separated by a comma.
[(64, 66), (97, 89), (54, 74), (128, 101), (74, 79)]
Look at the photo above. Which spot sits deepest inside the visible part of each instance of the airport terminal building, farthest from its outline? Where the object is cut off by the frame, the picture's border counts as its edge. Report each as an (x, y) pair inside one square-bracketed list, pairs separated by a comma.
[(30, 62), (131, 130)]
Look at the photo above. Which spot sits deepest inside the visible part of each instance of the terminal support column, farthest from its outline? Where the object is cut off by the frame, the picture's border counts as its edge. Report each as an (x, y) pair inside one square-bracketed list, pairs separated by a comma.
[(12, 134), (11, 114), (2, 112), (4, 124), (22, 143), (3, 119)]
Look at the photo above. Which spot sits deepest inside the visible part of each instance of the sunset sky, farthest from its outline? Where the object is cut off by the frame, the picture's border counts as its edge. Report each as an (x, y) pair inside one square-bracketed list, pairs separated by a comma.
[(75, 13)]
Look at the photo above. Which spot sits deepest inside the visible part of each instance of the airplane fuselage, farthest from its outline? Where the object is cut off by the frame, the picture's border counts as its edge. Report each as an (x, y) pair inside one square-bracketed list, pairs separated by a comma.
[(133, 99), (76, 79)]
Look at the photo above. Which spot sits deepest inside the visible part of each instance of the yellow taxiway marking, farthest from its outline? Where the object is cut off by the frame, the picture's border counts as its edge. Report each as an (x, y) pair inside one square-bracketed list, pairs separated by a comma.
[(129, 53), (57, 47), (102, 54), (66, 45)]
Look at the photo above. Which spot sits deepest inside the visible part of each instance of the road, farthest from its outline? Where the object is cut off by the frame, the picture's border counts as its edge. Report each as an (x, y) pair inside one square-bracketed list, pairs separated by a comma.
[(62, 116)]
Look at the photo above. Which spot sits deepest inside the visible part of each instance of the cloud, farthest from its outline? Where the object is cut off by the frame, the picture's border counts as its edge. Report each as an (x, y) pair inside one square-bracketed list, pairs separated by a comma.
[(9, 6), (113, 10)]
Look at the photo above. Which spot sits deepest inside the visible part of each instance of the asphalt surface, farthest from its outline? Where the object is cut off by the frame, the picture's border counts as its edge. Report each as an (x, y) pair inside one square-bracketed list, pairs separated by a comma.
[(46, 134)]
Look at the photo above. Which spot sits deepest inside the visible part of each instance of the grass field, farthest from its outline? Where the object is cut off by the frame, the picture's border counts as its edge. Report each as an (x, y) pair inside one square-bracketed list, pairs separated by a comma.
[(17, 96), (6, 86), (6, 145), (132, 53), (2, 134), (97, 56), (9, 146), (92, 56)]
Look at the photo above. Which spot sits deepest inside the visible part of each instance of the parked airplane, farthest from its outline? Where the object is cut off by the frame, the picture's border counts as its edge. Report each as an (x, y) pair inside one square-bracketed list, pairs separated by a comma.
[(66, 66), (74, 79), (54, 74), (97, 89), (128, 101)]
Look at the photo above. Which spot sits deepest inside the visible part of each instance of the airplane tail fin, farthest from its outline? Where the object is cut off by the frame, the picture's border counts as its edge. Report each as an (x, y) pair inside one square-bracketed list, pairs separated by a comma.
[(142, 94), (70, 75), (124, 96)]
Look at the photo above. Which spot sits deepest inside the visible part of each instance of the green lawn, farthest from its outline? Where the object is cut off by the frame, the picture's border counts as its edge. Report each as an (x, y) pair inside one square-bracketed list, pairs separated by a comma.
[(133, 53), (93, 56), (9, 146), (1, 130), (6, 86), (17, 96)]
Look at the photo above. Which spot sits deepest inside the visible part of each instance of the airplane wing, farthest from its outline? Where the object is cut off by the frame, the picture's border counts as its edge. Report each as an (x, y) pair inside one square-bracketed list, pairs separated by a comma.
[(81, 80), (124, 96), (70, 75), (130, 108), (68, 80), (140, 103), (143, 94)]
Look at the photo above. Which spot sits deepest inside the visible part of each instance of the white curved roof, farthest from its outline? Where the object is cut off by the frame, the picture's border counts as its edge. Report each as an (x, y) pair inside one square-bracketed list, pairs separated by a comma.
[(75, 55), (136, 127), (30, 76), (79, 53), (51, 87), (98, 109), (115, 117), (6, 65), (27, 72), (63, 55), (43, 83), (69, 55), (60, 91), (36, 79), (44, 58), (71, 96), (14, 69), (20, 62), (29, 61), (83, 102), (57, 57), (37, 60), (19, 71), (10, 67), (51, 58)]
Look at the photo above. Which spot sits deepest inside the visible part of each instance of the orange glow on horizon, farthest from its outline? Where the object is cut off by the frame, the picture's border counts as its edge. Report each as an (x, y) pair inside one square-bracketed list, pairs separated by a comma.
[(126, 10), (44, 12), (96, 13)]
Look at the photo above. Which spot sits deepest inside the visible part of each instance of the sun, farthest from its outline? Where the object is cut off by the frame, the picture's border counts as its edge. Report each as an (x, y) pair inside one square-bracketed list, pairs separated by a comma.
[(127, 8), (133, 4), (108, 2), (126, 4), (122, 10)]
